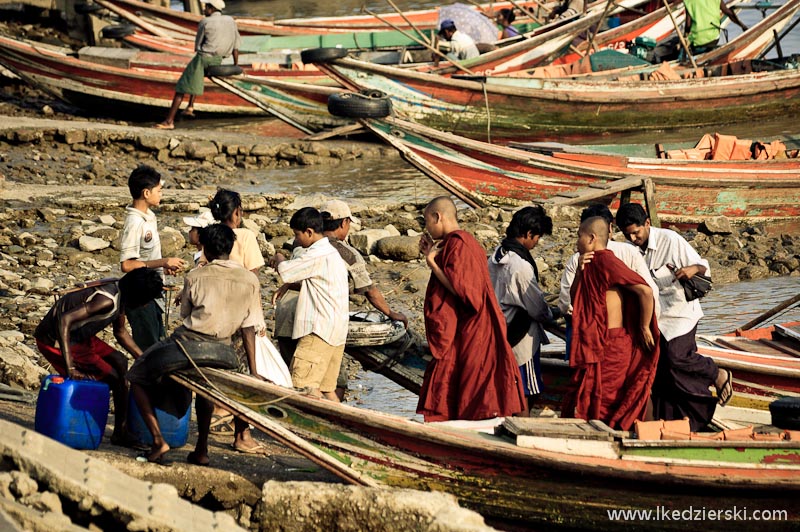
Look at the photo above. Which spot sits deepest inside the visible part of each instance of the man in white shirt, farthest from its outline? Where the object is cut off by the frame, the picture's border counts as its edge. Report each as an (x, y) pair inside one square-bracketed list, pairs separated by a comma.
[(681, 387), (462, 46)]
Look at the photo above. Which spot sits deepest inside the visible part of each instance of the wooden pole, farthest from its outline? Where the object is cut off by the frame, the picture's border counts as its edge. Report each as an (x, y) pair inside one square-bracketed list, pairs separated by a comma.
[(139, 21), (540, 21), (770, 313), (680, 34), (590, 42), (649, 192), (400, 12), (418, 41)]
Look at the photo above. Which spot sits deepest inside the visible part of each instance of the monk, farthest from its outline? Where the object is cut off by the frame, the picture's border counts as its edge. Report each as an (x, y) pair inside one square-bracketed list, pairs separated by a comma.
[(614, 349), (473, 374)]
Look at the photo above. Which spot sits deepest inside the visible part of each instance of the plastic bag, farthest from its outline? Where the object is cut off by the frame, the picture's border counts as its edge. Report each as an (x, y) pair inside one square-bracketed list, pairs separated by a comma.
[(270, 364)]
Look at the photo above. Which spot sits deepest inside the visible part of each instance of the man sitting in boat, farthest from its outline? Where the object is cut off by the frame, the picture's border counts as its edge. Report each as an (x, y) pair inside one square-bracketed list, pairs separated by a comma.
[(515, 278), (337, 220), (217, 38), (460, 46), (681, 388), (67, 335), (473, 374), (614, 351), (217, 300)]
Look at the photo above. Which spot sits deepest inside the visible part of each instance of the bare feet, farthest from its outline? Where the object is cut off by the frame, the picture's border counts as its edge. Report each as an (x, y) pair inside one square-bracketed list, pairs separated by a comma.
[(164, 125), (157, 452), (198, 458), (251, 447)]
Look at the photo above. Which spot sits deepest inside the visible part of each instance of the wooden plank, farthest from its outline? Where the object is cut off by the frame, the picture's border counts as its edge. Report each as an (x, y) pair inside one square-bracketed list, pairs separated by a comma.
[(343, 130), (587, 194)]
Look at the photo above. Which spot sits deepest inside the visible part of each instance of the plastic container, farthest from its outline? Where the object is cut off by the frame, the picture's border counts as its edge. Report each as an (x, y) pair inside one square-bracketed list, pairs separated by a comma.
[(72, 412), (174, 423)]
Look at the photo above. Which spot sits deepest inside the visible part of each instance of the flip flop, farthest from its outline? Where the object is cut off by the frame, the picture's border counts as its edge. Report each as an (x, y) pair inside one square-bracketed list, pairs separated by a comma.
[(256, 449), (221, 424), (158, 461), (188, 113), (192, 458), (164, 126), (725, 393)]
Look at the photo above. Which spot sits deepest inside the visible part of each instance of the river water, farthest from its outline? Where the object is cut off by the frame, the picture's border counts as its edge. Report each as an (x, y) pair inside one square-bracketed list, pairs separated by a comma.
[(726, 307)]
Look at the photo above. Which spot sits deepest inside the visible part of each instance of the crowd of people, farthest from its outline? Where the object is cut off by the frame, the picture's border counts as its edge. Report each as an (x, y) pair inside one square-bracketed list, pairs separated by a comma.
[(630, 329)]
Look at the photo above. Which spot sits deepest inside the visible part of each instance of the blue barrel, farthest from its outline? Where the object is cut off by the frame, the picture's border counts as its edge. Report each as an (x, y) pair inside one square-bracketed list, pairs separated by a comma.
[(173, 419), (72, 412)]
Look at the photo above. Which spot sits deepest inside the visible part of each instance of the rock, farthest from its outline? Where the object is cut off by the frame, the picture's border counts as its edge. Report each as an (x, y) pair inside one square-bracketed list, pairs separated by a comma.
[(74, 136), (172, 242), (42, 286), (106, 219), (364, 241), (201, 150), (262, 150), (717, 225), (253, 203), (398, 248), (45, 501), (25, 239), (22, 485), (393, 231), (152, 142), (5, 485), (90, 243), (47, 214), (301, 506), (9, 338), (753, 272), (105, 232), (17, 366)]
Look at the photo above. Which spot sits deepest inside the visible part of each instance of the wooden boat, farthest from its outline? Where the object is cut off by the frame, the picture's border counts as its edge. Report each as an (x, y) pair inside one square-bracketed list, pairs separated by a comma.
[(687, 191), (515, 107), (570, 474)]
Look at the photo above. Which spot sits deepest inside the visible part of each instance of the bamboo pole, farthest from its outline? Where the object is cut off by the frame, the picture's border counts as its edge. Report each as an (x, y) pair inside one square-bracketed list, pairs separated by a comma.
[(400, 12), (420, 42), (590, 43), (533, 17), (680, 33), (139, 21), (770, 313)]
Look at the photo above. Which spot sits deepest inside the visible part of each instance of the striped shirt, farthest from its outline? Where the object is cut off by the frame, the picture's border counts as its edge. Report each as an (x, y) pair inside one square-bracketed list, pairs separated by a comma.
[(323, 305)]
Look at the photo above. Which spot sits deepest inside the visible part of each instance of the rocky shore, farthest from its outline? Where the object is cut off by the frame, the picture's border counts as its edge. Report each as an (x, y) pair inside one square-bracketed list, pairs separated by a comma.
[(62, 198)]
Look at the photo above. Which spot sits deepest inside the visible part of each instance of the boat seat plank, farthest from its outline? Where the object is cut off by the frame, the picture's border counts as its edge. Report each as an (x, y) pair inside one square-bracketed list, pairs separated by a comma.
[(746, 344), (577, 429), (595, 191)]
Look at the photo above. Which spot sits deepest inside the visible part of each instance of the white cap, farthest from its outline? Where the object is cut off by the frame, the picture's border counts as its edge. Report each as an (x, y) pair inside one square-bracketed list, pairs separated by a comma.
[(203, 219), (338, 211), (219, 5)]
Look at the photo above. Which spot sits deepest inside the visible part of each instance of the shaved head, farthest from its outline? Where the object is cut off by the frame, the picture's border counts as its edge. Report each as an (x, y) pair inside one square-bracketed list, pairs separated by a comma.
[(596, 226), (444, 206)]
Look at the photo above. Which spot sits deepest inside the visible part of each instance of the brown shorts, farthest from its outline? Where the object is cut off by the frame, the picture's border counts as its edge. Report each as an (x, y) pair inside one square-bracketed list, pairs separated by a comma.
[(316, 364)]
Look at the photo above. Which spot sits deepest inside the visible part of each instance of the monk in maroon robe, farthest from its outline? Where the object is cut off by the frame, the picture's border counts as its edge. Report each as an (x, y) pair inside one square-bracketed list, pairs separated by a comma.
[(473, 374), (614, 349)]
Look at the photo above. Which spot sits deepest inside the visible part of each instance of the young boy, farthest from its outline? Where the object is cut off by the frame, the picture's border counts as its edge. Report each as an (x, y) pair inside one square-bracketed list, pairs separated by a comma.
[(321, 317), (67, 335), (194, 224), (140, 247)]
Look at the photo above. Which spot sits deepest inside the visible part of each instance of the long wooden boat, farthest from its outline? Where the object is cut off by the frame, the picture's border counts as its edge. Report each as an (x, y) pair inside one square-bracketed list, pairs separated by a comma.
[(89, 84), (570, 475)]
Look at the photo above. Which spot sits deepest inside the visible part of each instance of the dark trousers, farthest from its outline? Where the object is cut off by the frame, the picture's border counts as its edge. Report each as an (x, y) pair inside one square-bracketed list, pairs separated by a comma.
[(147, 324), (681, 387)]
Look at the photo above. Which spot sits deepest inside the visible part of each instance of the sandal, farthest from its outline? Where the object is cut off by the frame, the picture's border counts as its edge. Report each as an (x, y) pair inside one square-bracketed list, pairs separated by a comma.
[(221, 424), (164, 126), (255, 449), (725, 393), (188, 112)]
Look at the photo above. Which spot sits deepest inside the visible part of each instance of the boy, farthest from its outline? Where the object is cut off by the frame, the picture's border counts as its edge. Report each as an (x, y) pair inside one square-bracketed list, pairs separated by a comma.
[(67, 335), (140, 247), (614, 351), (321, 317)]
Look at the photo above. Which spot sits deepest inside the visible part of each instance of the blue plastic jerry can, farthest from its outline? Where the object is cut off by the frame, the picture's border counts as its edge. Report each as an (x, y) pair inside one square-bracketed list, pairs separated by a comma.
[(72, 412), (173, 422)]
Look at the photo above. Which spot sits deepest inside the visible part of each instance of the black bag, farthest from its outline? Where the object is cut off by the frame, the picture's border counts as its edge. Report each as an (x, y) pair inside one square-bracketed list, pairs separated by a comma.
[(696, 287), (518, 327)]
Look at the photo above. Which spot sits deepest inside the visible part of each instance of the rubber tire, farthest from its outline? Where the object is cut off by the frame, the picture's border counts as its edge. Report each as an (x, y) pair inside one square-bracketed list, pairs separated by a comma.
[(118, 31), (369, 104), (786, 413), (84, 8), (322, 55), (222, 71), (168, 357)]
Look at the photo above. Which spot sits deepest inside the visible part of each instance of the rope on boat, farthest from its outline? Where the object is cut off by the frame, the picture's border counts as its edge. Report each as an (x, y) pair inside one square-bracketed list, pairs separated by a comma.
[(214, 387)]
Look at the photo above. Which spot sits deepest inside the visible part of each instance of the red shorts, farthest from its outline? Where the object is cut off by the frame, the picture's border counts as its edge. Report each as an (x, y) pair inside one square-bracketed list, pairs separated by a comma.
[(89, 357)]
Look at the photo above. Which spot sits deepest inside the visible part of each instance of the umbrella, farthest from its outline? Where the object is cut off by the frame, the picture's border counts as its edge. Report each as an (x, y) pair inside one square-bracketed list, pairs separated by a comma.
[(478, 26)]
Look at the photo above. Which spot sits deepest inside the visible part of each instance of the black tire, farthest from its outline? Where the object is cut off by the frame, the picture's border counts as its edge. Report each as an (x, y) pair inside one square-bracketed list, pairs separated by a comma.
[(786, 413), (222, 71), (85, 9), (168, 357), (322, 55), (118, 31), (369, 104)]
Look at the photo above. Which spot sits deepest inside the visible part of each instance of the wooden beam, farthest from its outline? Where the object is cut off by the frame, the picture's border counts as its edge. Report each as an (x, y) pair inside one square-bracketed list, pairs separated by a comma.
[(650, 201)]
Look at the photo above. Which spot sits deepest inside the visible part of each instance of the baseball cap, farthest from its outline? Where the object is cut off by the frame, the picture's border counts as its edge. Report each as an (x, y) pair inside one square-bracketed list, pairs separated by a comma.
[(339, 210), (219, 5), (447, 24), (203, 218)]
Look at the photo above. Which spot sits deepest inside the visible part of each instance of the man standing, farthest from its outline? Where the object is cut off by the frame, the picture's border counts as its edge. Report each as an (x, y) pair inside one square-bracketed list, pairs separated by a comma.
[(515, 278), (614, 349), (217, 38), (473, 374), (461, 45), (217, 300), (703, 21), (681, 387)]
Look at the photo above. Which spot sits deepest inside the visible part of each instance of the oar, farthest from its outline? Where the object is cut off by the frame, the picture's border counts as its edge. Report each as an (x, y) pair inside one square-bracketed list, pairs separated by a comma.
[(400, 12), (770, 313), (680, 34), (418, 41), (590, 43)]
